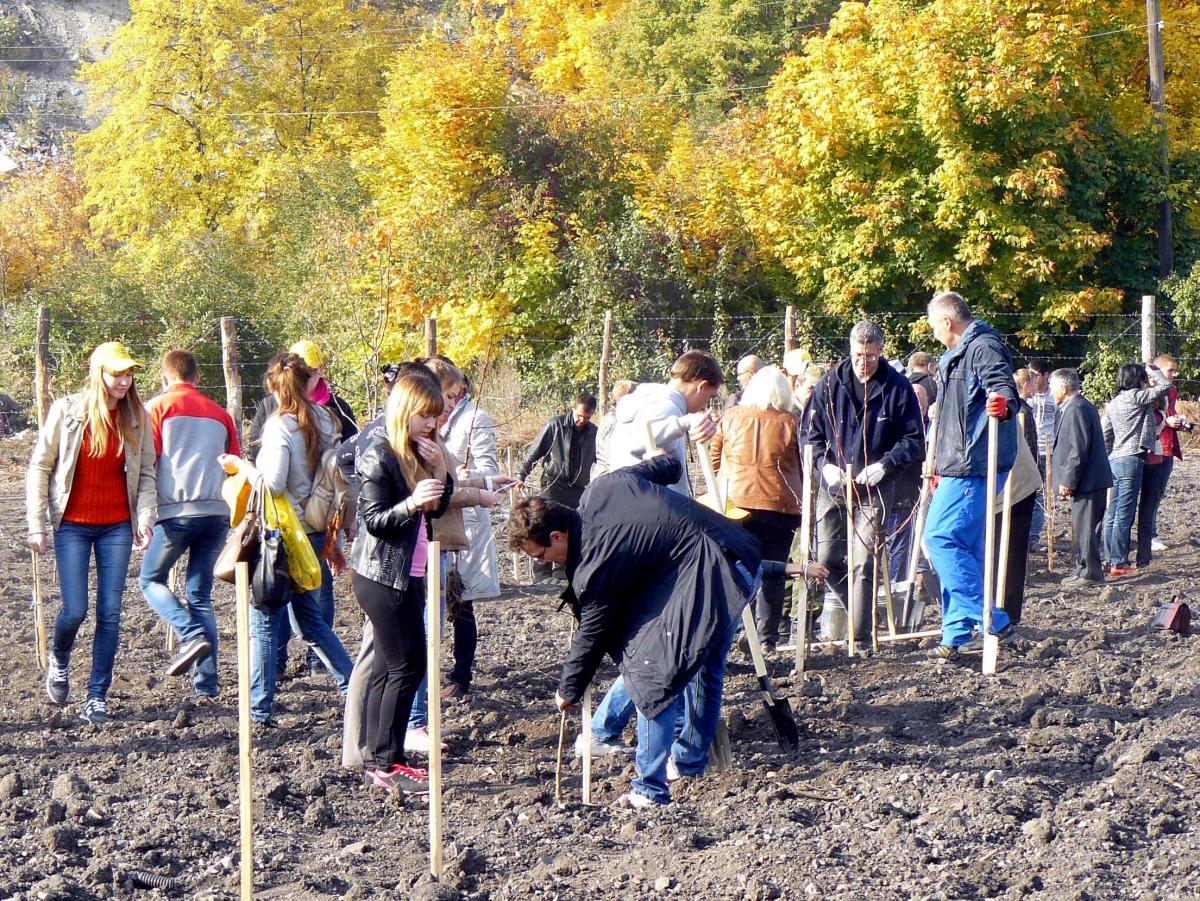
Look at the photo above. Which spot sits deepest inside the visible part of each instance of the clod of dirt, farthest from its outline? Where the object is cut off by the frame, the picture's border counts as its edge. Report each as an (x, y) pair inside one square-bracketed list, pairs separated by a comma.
[(11, 786), (277, 789), (67, 786), (1039, 831), (56, 812), (60, 839)]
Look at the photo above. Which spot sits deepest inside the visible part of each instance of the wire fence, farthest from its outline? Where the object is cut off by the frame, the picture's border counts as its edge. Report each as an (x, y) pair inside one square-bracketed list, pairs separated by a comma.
[(521, 378)]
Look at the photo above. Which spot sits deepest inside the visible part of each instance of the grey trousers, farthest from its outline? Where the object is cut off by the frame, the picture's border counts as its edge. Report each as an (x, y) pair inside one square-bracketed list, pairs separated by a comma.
[(870, 513), (354, 725), (1087, 520)]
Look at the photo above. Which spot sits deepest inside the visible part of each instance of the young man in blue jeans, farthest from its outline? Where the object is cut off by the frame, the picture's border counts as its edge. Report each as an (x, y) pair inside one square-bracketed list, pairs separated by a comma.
[(190, 432)]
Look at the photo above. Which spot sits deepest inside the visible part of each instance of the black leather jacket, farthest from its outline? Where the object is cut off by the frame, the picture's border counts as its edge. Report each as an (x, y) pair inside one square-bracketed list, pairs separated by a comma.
[(387, 534)]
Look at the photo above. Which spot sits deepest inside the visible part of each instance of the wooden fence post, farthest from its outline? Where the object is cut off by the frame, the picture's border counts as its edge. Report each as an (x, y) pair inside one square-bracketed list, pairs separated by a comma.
[(605, 357), (41, 370), (433, 675), (789, 328), (1148, 336), (233, 378), (430, 336)]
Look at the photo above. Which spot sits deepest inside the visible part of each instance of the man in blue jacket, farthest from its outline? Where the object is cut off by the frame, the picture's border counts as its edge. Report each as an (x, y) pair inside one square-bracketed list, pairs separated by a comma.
[(658, 582), (977, 383), (865, 431)]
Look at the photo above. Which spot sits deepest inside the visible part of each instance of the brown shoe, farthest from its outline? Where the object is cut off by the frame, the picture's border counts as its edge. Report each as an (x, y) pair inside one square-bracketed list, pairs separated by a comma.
[(453, 690)]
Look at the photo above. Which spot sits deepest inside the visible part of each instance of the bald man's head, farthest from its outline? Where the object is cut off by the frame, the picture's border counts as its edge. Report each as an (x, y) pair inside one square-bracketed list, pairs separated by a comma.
[(746, 367)]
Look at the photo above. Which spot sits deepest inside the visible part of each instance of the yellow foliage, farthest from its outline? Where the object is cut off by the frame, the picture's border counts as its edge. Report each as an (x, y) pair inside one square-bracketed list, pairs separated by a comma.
[(42, 225)]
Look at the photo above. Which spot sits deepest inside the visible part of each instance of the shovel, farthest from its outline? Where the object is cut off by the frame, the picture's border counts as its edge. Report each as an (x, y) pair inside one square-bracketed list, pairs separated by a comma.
[(779, 710), (39, 624)]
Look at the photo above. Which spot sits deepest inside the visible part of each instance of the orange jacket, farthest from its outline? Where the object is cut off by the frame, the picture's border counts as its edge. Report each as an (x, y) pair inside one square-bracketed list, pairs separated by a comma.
[(759, 452)]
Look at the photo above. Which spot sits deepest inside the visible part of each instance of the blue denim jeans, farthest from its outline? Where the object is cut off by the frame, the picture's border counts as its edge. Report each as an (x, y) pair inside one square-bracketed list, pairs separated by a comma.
[(1122, 506), (305, 612), (202, 537), (702, 708), (698, 706), (74, 545), (613, 713), (1039, 507), (287, 629), (954, 537)]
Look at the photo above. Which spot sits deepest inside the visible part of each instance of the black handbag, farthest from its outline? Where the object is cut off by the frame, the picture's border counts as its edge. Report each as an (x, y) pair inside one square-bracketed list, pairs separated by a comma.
[(271, 585)]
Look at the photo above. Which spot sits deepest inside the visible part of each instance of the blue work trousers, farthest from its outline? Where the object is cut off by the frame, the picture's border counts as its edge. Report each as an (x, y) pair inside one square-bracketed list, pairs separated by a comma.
[(954, 537)]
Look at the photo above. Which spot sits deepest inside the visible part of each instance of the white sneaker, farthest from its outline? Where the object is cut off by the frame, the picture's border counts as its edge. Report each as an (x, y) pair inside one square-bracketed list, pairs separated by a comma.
[(1156, 545), (417, 741), (634, 801), (673, 774), (602, 748)]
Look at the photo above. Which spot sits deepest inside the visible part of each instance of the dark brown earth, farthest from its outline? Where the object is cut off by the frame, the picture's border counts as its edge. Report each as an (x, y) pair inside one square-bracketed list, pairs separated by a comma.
[(1074, 773)]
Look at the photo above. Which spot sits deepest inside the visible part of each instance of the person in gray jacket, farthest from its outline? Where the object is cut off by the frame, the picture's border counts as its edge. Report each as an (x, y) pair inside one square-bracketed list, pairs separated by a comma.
[(294, 439), (1129, 435), (1081, 473)]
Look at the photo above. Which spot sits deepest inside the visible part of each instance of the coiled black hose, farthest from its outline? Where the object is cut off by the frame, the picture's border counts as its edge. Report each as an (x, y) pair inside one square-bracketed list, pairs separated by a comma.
[(142, 879)]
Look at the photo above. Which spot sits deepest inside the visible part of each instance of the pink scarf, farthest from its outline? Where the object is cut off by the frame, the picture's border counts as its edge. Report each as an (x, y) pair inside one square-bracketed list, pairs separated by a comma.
[(321, 394)]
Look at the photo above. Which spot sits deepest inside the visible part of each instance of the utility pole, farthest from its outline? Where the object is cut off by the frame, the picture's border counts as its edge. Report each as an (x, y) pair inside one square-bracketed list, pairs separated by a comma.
[(1154, 25)]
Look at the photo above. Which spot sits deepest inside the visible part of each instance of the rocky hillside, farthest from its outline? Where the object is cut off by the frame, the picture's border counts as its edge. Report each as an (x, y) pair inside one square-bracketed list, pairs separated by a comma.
[(42, 43)]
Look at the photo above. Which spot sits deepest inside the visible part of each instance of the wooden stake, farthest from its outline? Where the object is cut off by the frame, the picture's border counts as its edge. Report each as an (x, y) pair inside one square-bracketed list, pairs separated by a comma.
[(789, 329), (233, 378), (173, 587), (990, 645), (887, 593), (605, 358), (1049, 504), (433, 601), (874, 600), (430, 336), (41, 365), (918, 533), (801, 639), (512, 496), (245, 738), (39, 624), (851, 624), (586, 729), (558, 763)]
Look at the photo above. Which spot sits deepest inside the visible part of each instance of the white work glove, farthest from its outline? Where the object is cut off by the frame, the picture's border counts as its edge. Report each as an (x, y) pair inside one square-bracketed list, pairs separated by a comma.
[(871, 475), (833, 477)]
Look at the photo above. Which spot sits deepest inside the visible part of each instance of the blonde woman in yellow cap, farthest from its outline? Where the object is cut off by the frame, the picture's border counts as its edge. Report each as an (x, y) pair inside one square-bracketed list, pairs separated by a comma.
[(91, 483)]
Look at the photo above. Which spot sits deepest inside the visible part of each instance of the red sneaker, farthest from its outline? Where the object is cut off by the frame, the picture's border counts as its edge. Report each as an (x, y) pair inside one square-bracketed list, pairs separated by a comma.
[(1115, 572)]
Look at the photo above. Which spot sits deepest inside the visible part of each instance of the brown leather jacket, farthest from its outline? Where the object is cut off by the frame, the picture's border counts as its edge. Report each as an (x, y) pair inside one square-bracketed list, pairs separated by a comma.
[(759, 452)]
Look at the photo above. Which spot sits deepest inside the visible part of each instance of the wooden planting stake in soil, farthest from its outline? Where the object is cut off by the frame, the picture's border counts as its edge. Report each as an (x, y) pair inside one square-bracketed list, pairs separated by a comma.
[(918, 533), (851, 624), (562, 737), (800, 637), (173, 587), (990, 644), (512, 496), (39, 624), (586, 730), (245, 778), (1049, 504), (433, 605)]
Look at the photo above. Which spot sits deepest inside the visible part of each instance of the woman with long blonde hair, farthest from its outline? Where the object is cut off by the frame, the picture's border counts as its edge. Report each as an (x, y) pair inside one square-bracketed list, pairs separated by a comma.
[(91, 482), (403, 482), (294, 440)]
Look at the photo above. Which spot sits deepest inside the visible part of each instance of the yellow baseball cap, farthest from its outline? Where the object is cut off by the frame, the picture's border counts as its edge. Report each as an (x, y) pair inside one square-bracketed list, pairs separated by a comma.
[(309, 353), (112, 356)]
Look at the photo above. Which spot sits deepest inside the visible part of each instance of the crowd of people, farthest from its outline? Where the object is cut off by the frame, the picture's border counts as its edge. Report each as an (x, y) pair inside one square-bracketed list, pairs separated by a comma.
[(657, 579)]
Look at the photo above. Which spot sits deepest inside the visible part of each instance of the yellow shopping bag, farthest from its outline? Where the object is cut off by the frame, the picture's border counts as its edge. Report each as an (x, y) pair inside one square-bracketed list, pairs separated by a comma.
[(303, 566)]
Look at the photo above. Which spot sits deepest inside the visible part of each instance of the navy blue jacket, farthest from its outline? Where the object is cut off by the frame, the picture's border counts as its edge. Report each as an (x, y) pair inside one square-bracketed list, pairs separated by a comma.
[(895, 435), (977, 366), (652, 577)]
